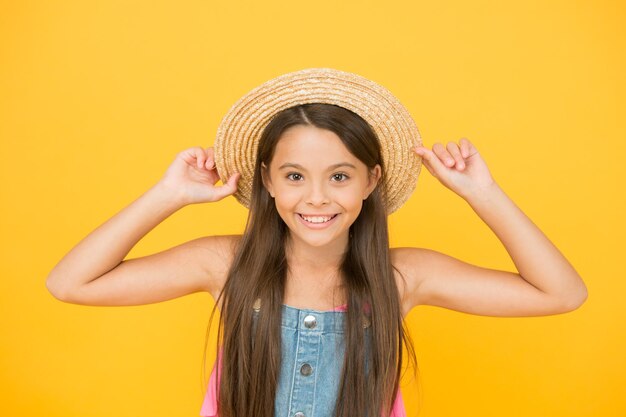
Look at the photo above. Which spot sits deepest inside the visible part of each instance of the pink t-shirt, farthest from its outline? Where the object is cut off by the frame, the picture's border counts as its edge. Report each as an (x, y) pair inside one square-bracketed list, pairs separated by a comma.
[(209, 406)]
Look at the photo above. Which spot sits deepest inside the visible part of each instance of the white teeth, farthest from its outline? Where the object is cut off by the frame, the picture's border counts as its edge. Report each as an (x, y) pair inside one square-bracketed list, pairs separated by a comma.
[(316, 219)]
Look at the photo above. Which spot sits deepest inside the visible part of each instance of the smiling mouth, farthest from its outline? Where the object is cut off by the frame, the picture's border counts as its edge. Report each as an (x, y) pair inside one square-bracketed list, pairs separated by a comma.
[(317, 219)]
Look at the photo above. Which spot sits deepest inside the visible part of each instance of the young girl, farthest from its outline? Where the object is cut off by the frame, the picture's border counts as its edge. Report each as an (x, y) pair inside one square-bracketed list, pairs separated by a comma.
[(311, 297)]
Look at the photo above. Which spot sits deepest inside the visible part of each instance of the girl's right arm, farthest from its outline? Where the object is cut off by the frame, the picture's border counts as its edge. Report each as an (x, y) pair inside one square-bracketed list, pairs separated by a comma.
[(94, 272)]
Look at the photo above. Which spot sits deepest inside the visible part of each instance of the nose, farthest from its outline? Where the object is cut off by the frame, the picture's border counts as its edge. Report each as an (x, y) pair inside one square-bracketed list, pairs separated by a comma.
[(316, 195)]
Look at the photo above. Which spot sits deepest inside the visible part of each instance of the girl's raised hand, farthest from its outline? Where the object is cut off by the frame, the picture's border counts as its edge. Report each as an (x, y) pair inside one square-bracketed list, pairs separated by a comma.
[(458, 167), (193, 175)]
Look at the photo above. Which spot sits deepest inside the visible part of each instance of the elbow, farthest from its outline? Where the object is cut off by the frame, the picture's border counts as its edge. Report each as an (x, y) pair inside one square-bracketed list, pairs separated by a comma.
[(575, 302), (56, 290)]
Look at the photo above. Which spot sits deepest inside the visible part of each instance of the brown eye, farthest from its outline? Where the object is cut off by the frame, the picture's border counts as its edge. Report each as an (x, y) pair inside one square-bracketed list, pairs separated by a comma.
[(293, 173), (339, 175)]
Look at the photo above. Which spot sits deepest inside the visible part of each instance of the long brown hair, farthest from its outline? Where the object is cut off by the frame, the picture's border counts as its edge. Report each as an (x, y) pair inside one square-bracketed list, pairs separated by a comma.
[(249, 376)]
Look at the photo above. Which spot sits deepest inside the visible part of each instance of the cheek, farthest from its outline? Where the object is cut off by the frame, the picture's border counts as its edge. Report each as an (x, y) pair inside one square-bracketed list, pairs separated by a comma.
[(351, 197), (349, 202), (287, 193), (286, 199)]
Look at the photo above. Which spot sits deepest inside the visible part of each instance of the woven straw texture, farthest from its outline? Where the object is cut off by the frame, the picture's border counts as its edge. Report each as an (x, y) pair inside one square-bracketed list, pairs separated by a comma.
[(238, 134)]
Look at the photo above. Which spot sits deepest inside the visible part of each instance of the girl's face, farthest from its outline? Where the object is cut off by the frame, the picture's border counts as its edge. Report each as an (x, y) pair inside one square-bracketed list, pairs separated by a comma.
[(317, 184)]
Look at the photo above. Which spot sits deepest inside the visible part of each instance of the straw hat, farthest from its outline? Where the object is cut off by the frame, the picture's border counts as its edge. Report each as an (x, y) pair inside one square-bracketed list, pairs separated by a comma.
[(238, 134)]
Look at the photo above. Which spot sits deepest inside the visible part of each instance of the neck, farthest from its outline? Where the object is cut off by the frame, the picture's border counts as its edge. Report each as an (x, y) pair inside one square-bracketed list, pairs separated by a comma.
[(305, 257), (314, 273)]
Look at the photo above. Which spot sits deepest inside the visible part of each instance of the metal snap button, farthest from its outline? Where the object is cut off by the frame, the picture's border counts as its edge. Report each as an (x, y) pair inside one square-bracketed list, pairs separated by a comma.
[(299, 414), (306, 369), (257, 305), (310, 321)]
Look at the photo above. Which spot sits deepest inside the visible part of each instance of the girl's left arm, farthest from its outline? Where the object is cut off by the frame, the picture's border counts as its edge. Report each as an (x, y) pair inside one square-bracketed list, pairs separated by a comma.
[(557, 285)]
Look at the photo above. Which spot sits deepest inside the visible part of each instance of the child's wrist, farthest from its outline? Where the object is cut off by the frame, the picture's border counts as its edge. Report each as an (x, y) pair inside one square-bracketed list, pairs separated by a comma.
[(483, 193), (170, 195)]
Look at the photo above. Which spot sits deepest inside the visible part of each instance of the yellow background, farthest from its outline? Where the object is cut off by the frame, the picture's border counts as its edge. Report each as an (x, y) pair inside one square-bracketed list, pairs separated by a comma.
[(98, 97)]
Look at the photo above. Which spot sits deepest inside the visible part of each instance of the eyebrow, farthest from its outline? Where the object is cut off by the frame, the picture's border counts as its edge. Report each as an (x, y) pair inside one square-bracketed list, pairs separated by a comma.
[(330, 168)]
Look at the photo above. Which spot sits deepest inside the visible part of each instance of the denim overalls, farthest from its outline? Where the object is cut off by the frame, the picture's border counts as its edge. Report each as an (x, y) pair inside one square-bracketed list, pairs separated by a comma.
[(312, 359), (312, 343)]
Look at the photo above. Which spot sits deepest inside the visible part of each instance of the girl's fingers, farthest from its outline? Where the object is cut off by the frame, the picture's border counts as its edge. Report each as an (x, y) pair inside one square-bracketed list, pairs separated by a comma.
[(210, 161), (427, 165), (431, 160), (228, 187), (199, 152), (443, 154), (467, 148), (453, 148), (464, 144)]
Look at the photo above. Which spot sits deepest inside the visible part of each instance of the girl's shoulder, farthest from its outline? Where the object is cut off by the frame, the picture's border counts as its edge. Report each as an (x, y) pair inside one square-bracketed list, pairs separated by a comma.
[(406, 263), (218, 254)]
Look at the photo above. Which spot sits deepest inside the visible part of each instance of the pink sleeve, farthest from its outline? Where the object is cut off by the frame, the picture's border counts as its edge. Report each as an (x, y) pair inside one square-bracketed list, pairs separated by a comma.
[(398, 406), (209, 406)]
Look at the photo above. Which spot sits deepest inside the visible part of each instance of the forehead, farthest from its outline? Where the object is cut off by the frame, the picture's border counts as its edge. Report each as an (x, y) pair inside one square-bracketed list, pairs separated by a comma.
[(312, 144)]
